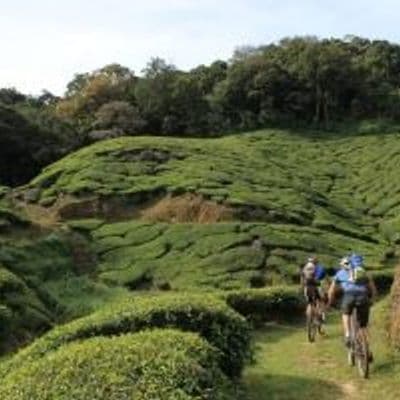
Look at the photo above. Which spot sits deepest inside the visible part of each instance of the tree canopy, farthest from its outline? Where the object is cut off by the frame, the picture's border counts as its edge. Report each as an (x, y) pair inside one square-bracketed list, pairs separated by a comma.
[(300, 81)]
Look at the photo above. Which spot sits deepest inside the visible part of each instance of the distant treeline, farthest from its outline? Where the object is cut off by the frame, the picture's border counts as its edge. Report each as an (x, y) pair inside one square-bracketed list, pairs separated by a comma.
[(301, 81)]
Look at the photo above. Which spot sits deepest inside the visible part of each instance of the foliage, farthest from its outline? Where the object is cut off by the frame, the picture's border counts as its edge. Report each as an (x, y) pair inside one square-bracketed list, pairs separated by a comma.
[(22, 312), (394, 315), (201, 313), (260, 305), (299, 81), (30, 139), (34, 268), (119, 115), (162, 364), (298, 194)]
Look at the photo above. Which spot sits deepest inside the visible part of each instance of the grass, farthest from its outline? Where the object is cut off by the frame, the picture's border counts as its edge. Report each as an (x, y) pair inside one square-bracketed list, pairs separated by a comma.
[(288, 367)]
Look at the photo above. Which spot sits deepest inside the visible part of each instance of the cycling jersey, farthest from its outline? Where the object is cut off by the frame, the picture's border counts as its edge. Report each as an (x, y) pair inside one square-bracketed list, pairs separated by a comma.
[(344, 279)]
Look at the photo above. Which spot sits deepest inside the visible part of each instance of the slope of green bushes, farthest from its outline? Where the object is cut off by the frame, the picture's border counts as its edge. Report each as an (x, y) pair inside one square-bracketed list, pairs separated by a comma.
[(223, 255)]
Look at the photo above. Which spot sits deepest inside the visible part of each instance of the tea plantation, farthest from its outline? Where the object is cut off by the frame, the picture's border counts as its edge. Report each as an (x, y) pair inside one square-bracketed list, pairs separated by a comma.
[(141, 264)]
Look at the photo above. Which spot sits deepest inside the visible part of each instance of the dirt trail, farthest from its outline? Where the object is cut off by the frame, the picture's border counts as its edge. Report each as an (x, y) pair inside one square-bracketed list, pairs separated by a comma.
[(287, 367)]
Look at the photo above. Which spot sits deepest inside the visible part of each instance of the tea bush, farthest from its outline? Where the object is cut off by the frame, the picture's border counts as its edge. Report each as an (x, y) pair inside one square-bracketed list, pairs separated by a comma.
[(205, 314), (160, 364)]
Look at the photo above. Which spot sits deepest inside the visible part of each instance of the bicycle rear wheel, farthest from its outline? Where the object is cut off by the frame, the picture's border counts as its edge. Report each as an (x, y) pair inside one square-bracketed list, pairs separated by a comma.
[(311, 325), (360, 347), (363, 357), (351, 359)]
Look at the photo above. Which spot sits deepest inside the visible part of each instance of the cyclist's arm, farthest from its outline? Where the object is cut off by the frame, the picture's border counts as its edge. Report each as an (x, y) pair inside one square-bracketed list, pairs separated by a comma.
[(332, 292), (301, 277)]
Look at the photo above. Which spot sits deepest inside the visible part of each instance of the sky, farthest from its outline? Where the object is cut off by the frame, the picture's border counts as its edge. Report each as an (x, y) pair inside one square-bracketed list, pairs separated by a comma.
[(43, 43)]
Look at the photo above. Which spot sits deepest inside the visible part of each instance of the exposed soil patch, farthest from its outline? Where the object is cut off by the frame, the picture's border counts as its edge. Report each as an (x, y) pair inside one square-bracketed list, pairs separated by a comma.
[(187, 208), (152, 206)]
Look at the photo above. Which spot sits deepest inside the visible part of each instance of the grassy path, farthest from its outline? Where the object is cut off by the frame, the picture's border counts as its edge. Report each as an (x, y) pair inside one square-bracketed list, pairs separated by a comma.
[(288, 367)]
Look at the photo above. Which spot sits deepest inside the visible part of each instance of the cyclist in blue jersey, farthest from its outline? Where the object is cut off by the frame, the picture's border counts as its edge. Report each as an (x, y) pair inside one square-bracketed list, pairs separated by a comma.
[(357, 288)]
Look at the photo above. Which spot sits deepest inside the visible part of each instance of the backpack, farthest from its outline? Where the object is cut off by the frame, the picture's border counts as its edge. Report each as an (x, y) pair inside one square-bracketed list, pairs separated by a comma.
[(359, 275), (356, 260), (320, 272)]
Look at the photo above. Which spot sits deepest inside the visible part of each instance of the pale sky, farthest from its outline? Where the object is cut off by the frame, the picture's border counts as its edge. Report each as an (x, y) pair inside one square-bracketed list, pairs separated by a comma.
[(43, 43)]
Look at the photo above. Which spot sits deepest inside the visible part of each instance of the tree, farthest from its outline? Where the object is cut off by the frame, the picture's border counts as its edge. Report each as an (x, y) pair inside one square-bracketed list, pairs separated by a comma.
[(153, 93), (10, 96), (119, 115), (88, 92)]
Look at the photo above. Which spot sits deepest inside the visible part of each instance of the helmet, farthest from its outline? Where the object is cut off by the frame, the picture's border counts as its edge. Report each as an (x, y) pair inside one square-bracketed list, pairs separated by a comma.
[(309, 265), (345, 263), (312, 259)]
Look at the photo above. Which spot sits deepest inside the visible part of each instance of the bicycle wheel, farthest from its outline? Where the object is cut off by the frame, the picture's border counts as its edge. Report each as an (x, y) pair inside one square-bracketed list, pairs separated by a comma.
[(311, 326), (363, 357), (351, 359)]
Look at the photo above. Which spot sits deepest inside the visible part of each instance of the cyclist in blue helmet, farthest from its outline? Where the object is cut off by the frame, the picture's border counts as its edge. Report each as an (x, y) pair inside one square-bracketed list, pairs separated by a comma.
[(357, 288)]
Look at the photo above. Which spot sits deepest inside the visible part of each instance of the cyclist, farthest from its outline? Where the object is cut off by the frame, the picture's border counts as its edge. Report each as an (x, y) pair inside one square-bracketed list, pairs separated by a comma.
[(312, 275), (357, 289)]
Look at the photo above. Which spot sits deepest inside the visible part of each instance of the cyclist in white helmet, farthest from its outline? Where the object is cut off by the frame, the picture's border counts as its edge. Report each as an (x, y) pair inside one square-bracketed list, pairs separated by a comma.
[(358, 289), (312, 277)]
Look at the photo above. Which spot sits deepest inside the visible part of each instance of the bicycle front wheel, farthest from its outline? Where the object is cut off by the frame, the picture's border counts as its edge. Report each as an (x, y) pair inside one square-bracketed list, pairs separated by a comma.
[(351, 359)]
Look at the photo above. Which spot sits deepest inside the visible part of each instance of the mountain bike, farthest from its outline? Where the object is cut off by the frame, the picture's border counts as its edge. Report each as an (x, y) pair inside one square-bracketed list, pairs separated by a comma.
[(358, 352)]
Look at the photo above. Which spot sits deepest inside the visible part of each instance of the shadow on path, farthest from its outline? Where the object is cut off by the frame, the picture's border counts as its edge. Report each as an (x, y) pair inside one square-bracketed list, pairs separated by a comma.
[(286, 387)]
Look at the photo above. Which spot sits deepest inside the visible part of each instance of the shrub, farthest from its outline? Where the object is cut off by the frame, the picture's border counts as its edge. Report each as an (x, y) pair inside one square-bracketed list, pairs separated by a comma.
[(395, 314), (201, 313), (160, 364), (383, 280), (21, 311), (259, 305)]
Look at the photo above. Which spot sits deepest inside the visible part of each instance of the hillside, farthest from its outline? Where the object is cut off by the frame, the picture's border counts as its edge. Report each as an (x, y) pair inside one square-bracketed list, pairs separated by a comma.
[(232, 216), (170, 207)]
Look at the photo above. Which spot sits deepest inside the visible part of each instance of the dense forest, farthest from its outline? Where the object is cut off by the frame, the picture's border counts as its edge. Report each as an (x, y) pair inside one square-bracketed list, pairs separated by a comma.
[(301, 81)]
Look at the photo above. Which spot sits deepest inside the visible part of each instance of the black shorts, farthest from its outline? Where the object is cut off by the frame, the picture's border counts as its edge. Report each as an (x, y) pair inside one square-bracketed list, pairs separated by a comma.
[(311, 293), (361, 303)]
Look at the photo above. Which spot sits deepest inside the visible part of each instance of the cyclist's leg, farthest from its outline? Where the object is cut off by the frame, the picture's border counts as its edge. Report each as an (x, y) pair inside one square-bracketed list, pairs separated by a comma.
[(348, 304), (309, 299), (321, 303)]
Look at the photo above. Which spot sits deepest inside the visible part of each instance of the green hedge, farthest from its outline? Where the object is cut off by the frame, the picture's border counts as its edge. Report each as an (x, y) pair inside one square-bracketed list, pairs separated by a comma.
[(22, 314), (259, 305), (383, 280), (205, 314), (395, 314), (160, 364)]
